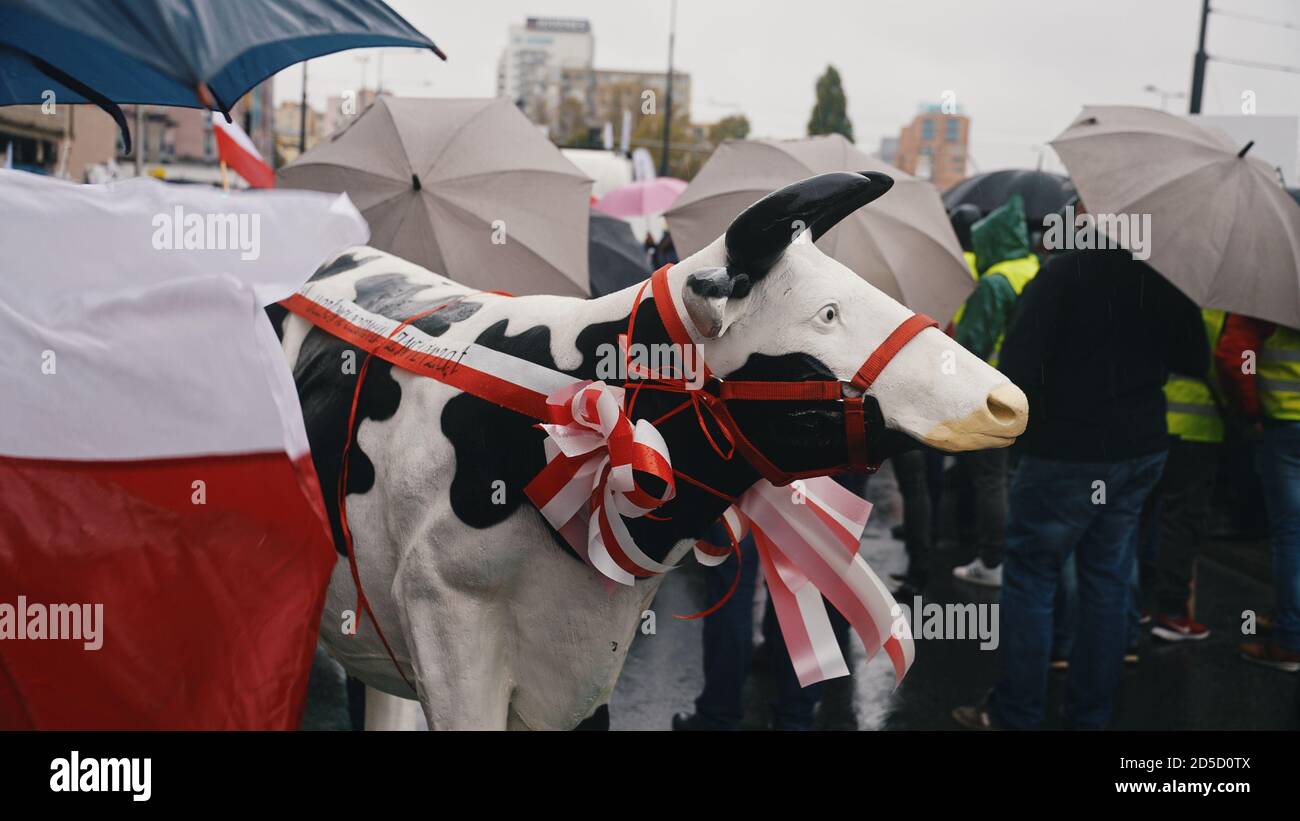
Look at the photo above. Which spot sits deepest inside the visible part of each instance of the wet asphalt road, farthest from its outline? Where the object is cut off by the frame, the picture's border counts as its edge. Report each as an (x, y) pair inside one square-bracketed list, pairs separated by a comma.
[(1203, 685)]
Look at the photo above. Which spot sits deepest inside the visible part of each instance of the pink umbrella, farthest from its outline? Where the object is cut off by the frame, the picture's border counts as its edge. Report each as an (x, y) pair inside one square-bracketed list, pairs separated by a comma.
[(639, 199)]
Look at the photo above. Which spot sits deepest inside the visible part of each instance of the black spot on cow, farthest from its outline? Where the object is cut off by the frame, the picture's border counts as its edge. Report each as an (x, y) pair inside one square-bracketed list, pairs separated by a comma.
[(325, 387), (343, 263), (394, 296), (277, 314), (805, 435)]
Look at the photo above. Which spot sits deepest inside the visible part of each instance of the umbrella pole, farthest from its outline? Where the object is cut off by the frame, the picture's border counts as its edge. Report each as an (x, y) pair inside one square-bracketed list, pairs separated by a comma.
[(225, 178)]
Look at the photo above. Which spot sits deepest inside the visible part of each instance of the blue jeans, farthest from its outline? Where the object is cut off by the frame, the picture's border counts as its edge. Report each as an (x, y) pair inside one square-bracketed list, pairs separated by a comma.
[(1065, 611), (729, 651), (1278, 460), (1067, 600), (1056, 513)]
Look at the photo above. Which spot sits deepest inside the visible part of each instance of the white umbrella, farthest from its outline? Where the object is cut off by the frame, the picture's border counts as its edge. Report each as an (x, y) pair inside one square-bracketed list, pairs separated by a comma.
[(902, 243), (1222, 227), (468, 188)]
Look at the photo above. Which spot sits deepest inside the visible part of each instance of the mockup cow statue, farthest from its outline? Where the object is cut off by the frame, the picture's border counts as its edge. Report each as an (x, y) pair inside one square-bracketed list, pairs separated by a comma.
[(490, 615)]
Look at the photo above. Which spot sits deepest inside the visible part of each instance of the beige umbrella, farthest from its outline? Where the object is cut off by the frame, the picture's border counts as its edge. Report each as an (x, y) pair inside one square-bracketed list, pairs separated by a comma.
[(1222, 227), (468, 188), (902, 243)]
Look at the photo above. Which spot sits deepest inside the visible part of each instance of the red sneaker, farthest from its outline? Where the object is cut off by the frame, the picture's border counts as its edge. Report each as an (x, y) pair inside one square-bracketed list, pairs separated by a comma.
[(1271, 655), (1179, 629)]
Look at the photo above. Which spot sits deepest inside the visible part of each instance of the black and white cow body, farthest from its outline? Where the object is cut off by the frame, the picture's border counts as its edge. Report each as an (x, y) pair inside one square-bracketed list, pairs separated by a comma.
[(488, 611)]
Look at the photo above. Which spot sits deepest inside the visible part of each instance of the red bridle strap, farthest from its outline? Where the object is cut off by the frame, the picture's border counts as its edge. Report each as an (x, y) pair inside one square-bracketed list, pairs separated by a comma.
[(820, 390), (893, 343)]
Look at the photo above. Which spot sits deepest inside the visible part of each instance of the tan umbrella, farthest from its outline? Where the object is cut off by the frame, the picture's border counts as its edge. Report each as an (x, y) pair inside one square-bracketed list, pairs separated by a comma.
[(468, 188), (1222, 227), (902, 243)]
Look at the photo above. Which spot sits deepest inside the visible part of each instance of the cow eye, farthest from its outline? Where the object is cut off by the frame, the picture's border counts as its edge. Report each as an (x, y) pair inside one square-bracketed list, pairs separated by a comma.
[(828, 313)]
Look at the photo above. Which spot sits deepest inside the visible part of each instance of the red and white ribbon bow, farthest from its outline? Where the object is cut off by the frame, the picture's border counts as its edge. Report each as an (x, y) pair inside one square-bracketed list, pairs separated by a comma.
[(594, 453), (807, 536)]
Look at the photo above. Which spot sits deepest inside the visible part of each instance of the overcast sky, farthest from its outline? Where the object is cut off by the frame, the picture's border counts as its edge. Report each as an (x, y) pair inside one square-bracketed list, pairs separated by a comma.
[(1020, 68)]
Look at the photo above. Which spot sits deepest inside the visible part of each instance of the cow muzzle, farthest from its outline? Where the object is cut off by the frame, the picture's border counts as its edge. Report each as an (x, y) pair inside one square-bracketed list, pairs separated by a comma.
[(995, 424)]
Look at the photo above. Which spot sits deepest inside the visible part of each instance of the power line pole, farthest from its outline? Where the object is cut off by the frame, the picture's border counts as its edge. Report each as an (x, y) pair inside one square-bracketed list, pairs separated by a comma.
[(1198, 63), (668, 104), (302, 114)]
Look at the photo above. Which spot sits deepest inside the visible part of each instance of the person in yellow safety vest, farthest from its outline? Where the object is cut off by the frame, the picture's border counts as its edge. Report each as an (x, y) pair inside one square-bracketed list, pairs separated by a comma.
[(1259, 369), (1006, 263), (1182, 497), (962, 218)]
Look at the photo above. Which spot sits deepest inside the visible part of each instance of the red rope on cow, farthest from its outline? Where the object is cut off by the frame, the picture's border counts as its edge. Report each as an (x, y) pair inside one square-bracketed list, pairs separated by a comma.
[(363, 604), (726, 597)]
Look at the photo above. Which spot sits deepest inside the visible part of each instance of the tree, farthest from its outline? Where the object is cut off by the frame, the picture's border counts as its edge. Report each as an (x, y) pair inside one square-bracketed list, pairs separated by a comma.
[(734, 127), (830, 113), (687, 152), (571, 128)]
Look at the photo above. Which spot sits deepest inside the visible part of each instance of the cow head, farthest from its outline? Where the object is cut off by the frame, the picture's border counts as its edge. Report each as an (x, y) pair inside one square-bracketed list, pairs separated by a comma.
[(765, 303)]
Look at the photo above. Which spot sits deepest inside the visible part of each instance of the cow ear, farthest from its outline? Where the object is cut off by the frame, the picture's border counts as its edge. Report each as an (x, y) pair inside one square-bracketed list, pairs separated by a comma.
[(705, 296)]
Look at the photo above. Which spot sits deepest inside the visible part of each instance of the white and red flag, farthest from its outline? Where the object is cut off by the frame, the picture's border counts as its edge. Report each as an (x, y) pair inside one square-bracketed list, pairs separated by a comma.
[(237, 151), (163, 548)]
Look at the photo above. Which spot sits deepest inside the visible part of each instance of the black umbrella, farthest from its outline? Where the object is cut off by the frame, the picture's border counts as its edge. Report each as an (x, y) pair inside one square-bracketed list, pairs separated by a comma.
[(615, 259), (1295, 194), (190, 53), (1042, 191)]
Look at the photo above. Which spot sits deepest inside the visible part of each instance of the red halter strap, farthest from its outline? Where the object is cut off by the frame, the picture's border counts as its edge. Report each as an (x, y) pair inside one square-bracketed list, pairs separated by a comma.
[(716, 391)]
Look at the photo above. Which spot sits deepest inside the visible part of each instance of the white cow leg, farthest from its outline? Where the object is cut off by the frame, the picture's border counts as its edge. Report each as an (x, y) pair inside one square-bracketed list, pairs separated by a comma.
[(389, 712), (462, 676)]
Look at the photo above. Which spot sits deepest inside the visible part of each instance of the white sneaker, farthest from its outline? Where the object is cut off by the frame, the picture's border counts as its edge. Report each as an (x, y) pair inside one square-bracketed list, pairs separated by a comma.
[(978, 573)]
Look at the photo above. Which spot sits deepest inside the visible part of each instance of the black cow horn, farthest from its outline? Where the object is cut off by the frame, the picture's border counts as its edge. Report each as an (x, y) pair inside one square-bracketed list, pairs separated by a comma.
[(758, 237)]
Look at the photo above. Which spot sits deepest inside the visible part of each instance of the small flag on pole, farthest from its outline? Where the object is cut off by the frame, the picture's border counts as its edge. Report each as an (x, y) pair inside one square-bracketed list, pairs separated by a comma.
[(238, 152)]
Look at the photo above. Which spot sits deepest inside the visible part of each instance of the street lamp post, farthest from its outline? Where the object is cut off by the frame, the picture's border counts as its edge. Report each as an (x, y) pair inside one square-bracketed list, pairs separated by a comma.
[(1198, 63), (668, 103), (302, 114)]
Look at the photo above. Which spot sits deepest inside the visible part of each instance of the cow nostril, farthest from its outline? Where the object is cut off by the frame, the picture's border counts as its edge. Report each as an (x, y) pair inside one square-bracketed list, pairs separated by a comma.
[(1006, 404)]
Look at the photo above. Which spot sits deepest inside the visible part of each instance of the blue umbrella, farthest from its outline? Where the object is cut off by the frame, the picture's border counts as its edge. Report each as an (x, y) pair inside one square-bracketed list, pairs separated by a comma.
[(189, 53)]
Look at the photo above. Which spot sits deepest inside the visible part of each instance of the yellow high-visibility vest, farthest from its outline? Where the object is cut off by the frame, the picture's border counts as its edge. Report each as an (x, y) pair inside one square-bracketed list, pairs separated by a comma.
[(1191, 411), (1018, 272), (975, 275), (1278, 377)]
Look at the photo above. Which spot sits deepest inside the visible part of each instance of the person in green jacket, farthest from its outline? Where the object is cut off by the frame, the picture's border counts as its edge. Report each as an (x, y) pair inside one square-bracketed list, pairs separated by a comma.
[(1005, 263)]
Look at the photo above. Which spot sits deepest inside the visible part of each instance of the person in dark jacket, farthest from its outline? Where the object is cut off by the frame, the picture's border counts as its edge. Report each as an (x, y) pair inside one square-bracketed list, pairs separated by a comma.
[(1096, 335), (1006, 265)]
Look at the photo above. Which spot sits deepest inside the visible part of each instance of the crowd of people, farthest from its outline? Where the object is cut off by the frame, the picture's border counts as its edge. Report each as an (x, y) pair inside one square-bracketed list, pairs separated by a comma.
[(1102, 506)]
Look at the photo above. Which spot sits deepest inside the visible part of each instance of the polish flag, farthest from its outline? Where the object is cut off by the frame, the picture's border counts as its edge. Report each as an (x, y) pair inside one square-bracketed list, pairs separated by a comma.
[(163, 545), (237, 151)]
